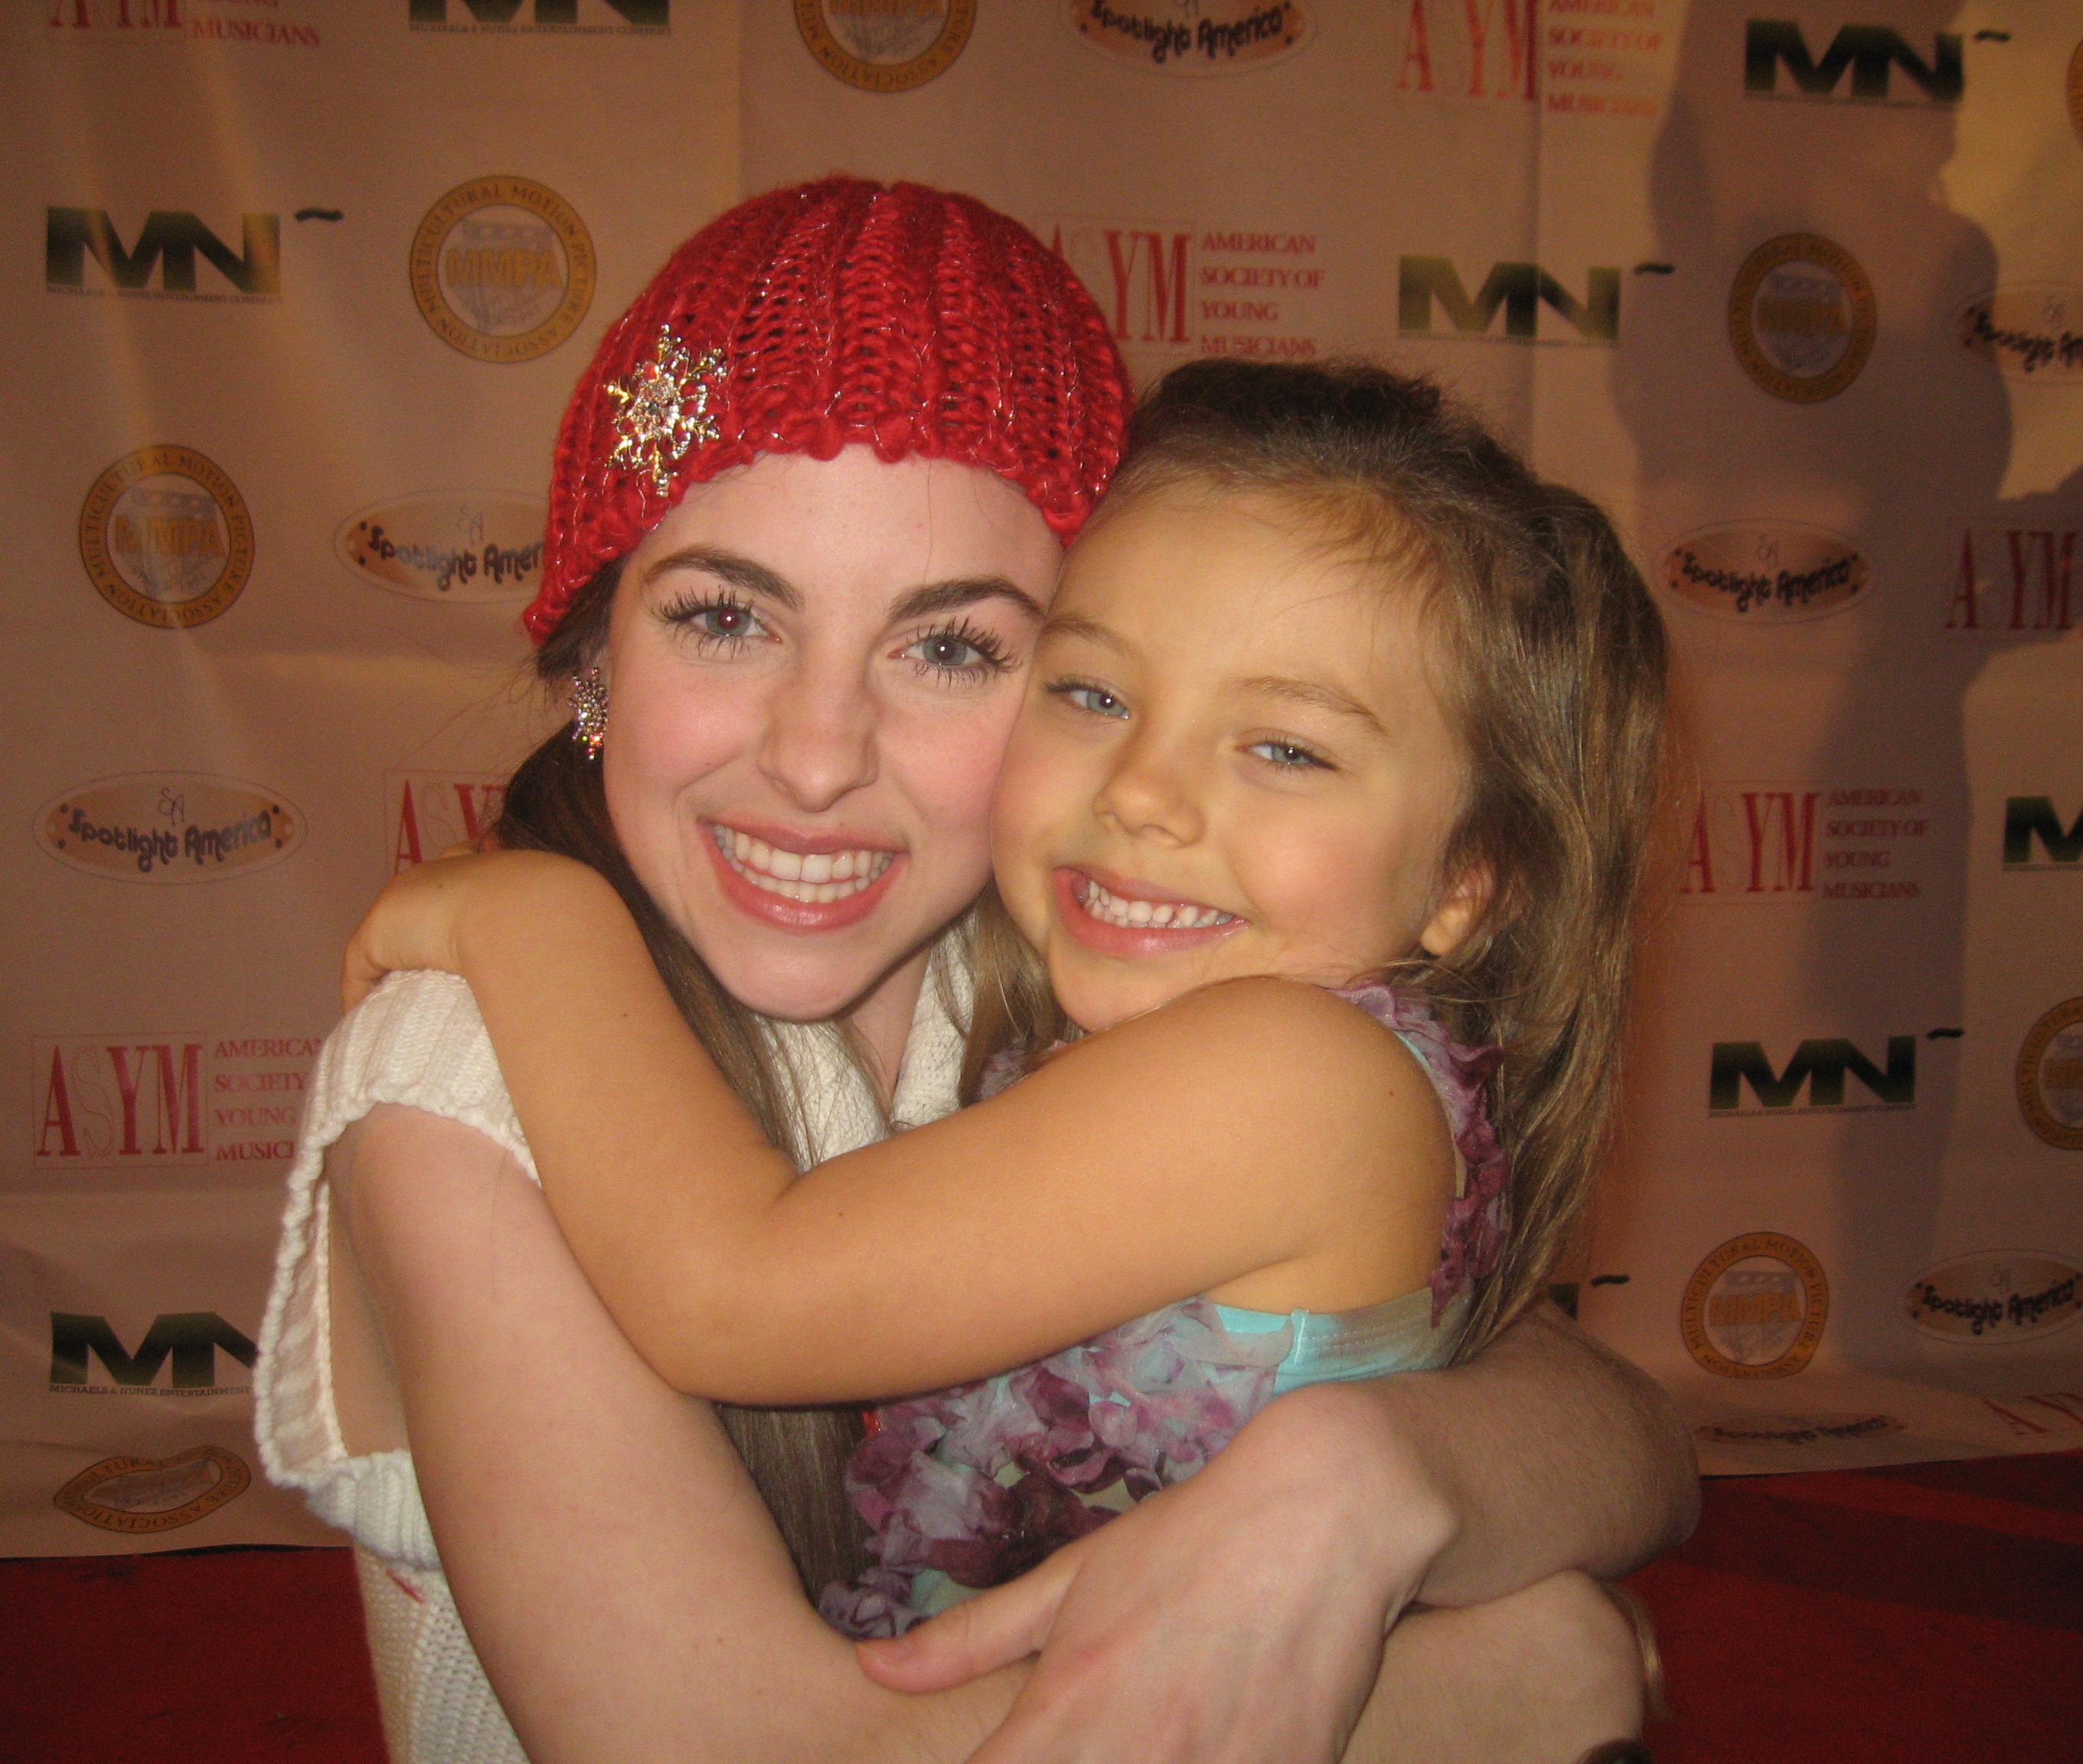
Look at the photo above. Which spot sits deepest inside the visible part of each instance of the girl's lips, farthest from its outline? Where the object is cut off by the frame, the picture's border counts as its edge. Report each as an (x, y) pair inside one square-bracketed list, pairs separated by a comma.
[(803, 917), (1129, 942)]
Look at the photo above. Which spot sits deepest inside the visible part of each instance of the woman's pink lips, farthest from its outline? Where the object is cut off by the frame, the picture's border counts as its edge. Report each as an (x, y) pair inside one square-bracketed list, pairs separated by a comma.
[(806, 917), (1128, 942)]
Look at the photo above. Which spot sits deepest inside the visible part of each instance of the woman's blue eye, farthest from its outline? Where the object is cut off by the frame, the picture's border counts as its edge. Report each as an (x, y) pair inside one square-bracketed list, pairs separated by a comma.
[(1095, 699), (955, 652), (1284, 753)]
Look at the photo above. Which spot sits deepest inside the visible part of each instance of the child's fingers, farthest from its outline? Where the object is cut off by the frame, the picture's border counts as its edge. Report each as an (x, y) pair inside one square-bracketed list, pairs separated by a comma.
[(994, 1629)]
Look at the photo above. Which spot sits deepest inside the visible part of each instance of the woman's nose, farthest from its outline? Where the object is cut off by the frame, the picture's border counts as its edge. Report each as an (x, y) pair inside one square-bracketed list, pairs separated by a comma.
[(820, 739), (1150, 793)]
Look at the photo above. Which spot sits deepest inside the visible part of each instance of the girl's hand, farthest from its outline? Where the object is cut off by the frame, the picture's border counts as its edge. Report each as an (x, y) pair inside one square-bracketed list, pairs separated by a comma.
[(1237, 1618), (419, 919)]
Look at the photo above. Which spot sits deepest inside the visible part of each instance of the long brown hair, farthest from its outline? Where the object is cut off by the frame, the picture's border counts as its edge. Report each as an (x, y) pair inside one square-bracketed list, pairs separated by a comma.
[(555, 802), (1554, 677)]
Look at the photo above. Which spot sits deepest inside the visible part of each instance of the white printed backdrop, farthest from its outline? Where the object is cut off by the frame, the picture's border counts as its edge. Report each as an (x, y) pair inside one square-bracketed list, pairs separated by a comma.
[(1795, 289)]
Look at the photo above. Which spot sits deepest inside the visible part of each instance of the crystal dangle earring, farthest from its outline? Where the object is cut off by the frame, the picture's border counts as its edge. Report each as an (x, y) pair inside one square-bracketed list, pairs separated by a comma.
[(589, 711)]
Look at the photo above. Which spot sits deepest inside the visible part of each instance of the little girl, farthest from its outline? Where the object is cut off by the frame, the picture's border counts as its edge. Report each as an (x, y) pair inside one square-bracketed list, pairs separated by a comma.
[(1321, 833)]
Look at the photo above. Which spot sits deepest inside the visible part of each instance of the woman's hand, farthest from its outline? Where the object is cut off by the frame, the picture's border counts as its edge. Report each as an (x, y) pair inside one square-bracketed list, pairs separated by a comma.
[(1236, 1618), (419, 921)]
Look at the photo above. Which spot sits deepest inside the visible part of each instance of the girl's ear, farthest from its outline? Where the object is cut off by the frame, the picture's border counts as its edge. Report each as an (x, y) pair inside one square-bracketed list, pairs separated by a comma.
[(1459, 909)]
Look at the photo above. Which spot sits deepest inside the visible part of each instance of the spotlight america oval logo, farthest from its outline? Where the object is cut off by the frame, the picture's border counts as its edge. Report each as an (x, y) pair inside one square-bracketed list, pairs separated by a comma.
[(2050, 1076), (140, 1496), (502, 269), (1995, 1297), (167, 537), (170, 826), (1755, 1308), (460, 546), (1802, 317), (2030, 333), (1765, 572), (885, 45), (1191, 36)]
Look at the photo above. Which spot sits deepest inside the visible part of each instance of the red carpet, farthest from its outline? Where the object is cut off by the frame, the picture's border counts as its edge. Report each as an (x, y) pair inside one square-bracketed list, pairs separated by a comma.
[(1934, 1612)]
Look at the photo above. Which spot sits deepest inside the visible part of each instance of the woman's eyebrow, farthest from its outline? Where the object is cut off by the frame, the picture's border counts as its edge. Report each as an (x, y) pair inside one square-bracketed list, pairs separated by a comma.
[(963, 591), (740, 573)]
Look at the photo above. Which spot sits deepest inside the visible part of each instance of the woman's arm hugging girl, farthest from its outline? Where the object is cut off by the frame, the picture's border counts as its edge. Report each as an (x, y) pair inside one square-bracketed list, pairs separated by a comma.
[(1336, 705)]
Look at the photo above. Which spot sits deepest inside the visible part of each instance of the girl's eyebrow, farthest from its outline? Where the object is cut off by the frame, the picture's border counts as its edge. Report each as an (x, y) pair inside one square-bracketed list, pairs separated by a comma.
[(1071, 625), (741, 572), (1315, 692)]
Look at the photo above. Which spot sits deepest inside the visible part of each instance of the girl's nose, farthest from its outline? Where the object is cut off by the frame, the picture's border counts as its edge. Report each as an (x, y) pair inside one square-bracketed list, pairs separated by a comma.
[(1149, 794), (820, 738)]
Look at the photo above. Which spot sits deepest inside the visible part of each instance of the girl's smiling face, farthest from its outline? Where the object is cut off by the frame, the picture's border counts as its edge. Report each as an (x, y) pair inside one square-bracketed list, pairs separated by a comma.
[(1232, 760)]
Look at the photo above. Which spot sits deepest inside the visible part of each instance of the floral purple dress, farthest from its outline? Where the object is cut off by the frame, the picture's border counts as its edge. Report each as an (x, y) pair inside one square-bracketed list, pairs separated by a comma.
[(966, 1488)]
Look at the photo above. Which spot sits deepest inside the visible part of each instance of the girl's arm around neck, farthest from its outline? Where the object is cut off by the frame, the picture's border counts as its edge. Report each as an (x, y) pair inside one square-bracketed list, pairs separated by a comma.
[(1232, 1143)]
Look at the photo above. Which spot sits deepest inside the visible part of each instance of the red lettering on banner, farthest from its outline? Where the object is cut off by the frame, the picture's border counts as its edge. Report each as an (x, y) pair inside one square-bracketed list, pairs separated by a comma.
[(433, 810), (408, 853), (2062, 1403), (1796, 847), (181, 1101), (2019, 1424), (2053, 590), (58, 1112), (126, 1084), (1963, 596), (1699, 878), (1164, 287), (1520, 29), (1416, 48)]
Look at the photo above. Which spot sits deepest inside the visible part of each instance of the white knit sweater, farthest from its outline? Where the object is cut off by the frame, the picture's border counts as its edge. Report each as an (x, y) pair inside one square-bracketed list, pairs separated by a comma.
[(418, 1040)]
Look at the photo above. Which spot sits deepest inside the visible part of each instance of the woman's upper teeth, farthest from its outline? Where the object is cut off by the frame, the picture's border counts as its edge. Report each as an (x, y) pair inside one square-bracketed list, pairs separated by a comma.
[(818, 876), (1148, 915)]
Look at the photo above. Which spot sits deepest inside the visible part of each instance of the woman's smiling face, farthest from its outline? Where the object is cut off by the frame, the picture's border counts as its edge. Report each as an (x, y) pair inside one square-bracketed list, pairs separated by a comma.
[(813, 667), (1232, 760)]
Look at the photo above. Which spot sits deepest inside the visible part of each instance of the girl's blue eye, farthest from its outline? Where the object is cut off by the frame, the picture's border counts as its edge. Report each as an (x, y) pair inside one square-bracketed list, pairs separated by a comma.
[(1095, 699), (1284, 753)]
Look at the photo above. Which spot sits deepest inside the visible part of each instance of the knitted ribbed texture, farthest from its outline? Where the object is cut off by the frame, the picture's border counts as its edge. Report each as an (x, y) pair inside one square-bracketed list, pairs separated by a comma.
[(418, 1040), (907, 318)]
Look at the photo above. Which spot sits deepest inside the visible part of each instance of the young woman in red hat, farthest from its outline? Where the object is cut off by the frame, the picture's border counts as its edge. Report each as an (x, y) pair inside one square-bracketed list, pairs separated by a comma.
[(856, 425)]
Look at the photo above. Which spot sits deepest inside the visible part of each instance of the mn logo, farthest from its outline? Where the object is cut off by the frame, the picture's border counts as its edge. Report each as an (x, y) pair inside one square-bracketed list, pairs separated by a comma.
[(191, 1339), (541, 15), (1871, 54), (1519, 289), (169, 242), (2032, 820), (1819, 1066)]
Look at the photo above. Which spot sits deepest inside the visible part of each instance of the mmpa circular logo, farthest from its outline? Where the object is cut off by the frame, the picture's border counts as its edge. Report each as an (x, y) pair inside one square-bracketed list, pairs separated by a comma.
[(1755, 1308), (885, 45), (2050, 1076), (140, 1496), (1802, 318), (167, 537), (502, 269)]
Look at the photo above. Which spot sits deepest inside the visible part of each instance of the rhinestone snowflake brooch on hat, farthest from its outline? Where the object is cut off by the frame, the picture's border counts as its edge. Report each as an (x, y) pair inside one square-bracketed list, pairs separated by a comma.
[(664, 408)]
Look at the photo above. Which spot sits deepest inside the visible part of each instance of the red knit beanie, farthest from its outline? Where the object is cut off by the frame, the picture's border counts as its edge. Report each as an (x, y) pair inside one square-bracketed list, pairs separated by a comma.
[(914, 320)]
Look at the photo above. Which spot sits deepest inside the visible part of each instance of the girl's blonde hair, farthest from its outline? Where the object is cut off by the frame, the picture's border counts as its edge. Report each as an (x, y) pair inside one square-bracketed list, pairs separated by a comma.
[(1552, 671)]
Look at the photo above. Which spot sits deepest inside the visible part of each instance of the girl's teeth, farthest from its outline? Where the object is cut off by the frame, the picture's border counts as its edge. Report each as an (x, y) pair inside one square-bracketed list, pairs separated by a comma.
[(1146, 915), (818, 877)]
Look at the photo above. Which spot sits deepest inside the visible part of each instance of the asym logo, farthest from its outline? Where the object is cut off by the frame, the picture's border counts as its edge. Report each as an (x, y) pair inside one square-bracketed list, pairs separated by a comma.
[(1871, 54), (170, 241), (2014, 582), (1519, 289)]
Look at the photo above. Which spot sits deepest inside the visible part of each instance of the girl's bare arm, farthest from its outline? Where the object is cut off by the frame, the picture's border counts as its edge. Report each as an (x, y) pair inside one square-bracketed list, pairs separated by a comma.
[(1232, 1143)]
